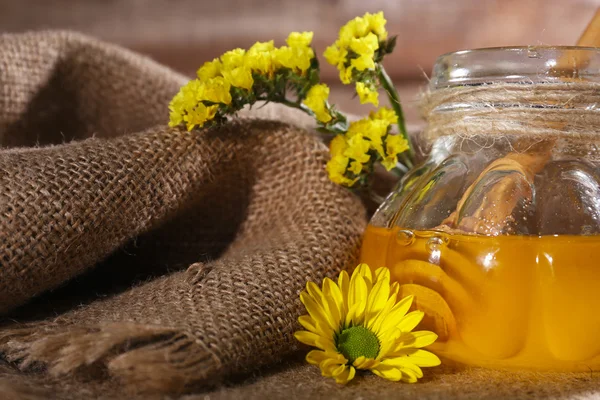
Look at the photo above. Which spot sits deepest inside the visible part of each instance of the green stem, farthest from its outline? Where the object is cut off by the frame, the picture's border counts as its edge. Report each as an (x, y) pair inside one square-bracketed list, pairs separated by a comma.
[(390, 89)]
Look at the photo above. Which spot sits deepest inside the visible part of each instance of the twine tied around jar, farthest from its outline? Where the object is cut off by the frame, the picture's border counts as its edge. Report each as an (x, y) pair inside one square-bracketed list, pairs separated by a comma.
[(542, 110)]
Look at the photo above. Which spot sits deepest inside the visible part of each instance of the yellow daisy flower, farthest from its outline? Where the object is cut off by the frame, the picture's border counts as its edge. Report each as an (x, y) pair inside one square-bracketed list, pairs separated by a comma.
[(357, 323)]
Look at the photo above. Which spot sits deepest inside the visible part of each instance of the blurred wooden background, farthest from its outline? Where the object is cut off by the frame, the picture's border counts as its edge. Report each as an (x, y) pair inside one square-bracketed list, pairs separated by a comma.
[(185, 33)]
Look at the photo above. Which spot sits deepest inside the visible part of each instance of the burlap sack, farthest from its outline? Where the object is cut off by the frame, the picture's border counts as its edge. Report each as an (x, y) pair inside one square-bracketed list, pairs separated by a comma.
[(217, 231)]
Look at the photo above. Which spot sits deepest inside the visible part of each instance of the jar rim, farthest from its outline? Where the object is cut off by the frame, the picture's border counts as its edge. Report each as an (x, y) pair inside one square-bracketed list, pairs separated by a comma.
[(529, 64), (480, 50)]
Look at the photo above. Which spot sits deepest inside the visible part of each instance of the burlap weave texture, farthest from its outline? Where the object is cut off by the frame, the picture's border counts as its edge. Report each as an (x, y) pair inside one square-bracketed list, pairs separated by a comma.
[(215, 231)]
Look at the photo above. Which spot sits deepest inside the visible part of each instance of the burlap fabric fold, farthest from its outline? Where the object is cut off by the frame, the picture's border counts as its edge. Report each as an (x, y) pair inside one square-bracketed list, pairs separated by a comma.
[(200, 242)]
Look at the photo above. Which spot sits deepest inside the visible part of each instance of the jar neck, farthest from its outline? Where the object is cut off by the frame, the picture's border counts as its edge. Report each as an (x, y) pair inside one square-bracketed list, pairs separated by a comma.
[(531, 64)]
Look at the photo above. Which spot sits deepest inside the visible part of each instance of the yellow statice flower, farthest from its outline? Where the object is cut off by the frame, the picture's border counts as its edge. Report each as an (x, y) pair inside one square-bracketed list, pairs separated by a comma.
[(239, 77), (366, 94), (337, 146), (394, 145), (346, 75), (376, 24), (299, 39), (336, 56), (372, 129), (359, 37), (199, 115), (233, 58), (336, 168), (298, 55), (209, 70), (316, 101), (259, 57), (366, 45), (358, 322), (358, 149), (355, 167), (215, 90), (385, 114)]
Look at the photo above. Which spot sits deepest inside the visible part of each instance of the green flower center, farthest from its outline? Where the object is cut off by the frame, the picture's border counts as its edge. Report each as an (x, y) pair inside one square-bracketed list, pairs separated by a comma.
[(357, 341)]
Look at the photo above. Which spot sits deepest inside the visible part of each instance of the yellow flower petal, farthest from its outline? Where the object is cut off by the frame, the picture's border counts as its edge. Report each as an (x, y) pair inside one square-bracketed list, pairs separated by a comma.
[(332, 290), (343, 284), (404, 363), (308, 323), (410, 321), (358, 292), (345, 376), (310, 339), (376, 323), (397, 313), (418, 339), (316, 311), (316, 357), (364, 271), (387, 372), (315, 292), (422, 358), (365, 363), (377, 299)]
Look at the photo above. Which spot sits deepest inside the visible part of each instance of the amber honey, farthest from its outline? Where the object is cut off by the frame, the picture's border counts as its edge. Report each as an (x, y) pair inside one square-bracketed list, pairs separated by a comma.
[(504, 301)]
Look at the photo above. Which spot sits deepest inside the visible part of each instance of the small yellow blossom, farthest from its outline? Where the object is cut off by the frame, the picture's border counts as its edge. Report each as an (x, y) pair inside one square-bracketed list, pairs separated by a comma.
[(297, 39), (261, 47), (294, 58), (355, 28), (363, 62), (355, 167), (346, 75), (373, 130), (199, 115), (316, 99), (336, 167), (239, 77), (216, 90), (209, 70), (376, 24), (366, 94), (358, 149), (233, 59), (259, 57), (360, 37), (386, 114), (338, 145), (359, 322), (394, 145), (365, 45), (335, 55)]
